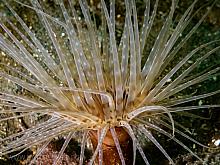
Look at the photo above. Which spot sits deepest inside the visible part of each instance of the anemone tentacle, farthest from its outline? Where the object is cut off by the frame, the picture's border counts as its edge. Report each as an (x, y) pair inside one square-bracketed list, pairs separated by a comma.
[(87, 81)]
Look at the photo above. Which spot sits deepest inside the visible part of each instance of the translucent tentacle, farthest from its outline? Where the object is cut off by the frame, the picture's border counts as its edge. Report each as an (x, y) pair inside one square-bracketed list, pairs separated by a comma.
[(135, 143), (83, 144), (40, 151), (68, 138), (102, 135), (117, 144), (151, 138)]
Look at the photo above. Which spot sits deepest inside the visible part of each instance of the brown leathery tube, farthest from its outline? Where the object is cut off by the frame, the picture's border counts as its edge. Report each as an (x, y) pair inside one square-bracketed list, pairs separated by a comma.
[(110, 152)]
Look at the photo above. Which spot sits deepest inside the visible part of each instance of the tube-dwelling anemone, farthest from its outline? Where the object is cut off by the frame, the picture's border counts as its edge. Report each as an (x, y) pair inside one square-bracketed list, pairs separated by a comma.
[(89, 83)]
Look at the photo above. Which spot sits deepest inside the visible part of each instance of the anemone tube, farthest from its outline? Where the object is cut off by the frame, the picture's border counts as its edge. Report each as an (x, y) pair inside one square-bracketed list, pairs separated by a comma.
[(95, 87)]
